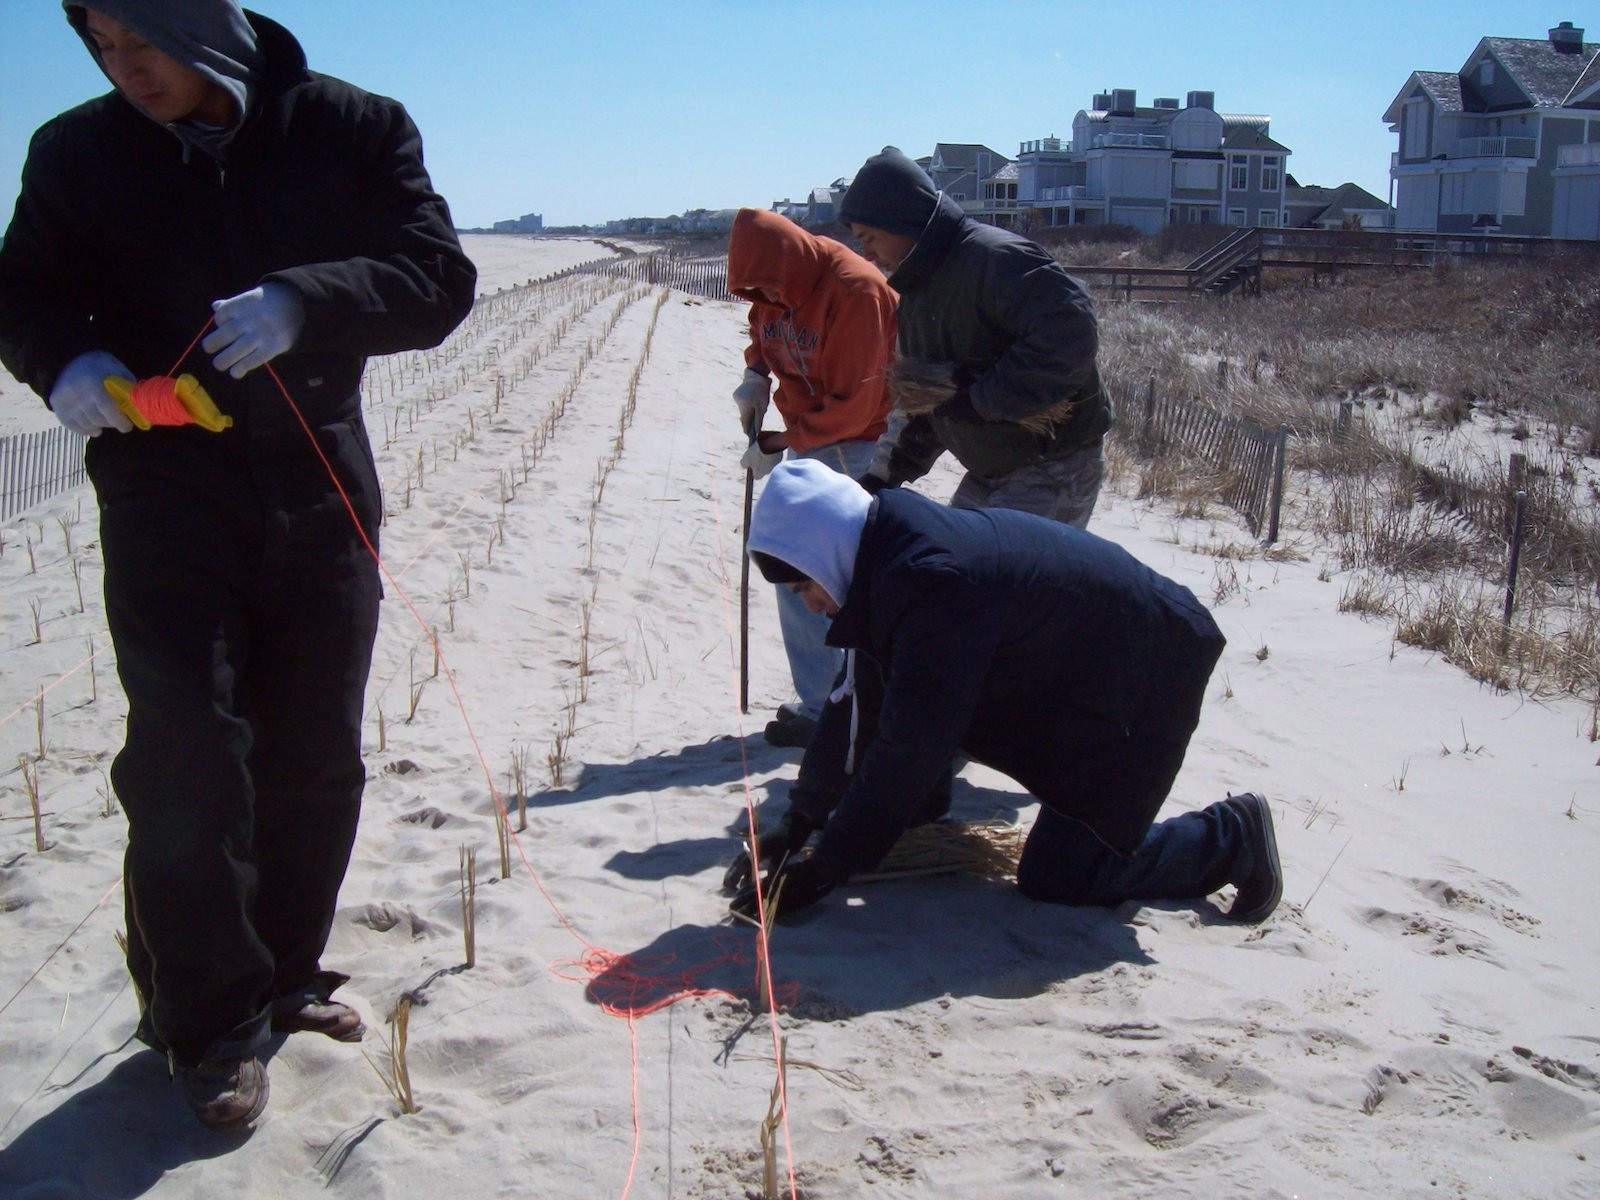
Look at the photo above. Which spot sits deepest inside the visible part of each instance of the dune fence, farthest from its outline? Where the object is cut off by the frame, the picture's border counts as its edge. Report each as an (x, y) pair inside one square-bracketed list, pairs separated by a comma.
[(707, 277), (37, 466), (1250, 457)]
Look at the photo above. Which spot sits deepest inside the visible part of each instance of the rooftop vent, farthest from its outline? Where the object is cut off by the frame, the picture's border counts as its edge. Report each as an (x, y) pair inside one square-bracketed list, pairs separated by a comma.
[(1567, 39), (1202, 100), (1167, 102), (1101, 102), (1124, 101)]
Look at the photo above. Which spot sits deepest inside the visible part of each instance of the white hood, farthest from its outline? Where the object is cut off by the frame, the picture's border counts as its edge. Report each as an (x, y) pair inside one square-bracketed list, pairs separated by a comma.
[(811, 517)]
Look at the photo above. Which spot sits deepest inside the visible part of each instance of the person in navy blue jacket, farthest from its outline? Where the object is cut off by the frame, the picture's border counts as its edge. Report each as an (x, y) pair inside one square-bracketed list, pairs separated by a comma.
[(1038, 649)]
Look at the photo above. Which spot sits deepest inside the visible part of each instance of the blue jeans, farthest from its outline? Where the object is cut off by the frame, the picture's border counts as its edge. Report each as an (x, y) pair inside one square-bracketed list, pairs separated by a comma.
[(813, 665), (1182, 858)]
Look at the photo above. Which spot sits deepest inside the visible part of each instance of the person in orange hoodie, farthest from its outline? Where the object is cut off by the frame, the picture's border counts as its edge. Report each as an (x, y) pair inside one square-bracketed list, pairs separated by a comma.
[(822, 326)]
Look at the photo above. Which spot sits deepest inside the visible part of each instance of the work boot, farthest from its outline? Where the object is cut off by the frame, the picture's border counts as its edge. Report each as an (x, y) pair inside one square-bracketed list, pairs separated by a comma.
[(225, 1093), (1258, 875), (338, 1021), (790, 728)]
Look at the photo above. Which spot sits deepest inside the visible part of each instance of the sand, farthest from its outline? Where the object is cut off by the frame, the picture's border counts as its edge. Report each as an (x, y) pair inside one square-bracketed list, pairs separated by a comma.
[(1418, 1020)]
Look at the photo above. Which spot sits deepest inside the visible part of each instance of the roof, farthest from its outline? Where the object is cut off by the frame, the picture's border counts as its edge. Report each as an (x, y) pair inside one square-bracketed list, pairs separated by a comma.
[(1545, 75), (1007, 173), (1443, 87), (1332, 203), (1247, 137), (821, 196), (1588, 80), (963, 156)]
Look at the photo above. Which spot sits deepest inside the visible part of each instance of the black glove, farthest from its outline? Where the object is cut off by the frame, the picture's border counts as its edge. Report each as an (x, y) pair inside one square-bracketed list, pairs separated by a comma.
[(872, 484), (774, 844), (804, 881), (959, 408)]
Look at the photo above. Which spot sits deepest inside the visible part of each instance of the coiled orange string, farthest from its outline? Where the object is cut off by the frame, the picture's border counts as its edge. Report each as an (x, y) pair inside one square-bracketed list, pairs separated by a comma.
[(157, 401)]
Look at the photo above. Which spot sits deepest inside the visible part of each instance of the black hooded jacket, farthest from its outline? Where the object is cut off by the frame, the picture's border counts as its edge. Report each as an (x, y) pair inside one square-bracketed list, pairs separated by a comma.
[(1019, 330), (124, 234), (1031, 646)]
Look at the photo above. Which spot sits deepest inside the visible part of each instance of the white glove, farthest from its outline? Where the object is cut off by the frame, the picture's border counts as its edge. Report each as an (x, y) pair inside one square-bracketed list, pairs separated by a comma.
[(254, 328), (79, 398), (759, 461), (752, 396)]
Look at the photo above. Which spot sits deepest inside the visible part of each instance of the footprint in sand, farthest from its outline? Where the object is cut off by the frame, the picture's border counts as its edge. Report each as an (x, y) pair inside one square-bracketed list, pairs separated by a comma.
[(1429, 934), (1459, 898)]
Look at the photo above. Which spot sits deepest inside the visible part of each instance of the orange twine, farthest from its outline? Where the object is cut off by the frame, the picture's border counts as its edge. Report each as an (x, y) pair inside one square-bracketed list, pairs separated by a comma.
[(157, 401)]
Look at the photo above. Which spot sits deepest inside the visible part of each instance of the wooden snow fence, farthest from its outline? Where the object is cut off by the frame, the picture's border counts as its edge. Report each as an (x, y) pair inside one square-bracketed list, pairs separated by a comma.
[(37, 466), (1251, 457)]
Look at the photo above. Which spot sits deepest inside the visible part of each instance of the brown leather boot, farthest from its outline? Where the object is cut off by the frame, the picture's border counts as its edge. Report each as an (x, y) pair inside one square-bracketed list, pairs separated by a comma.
[(225, 1093), (338, 1021)]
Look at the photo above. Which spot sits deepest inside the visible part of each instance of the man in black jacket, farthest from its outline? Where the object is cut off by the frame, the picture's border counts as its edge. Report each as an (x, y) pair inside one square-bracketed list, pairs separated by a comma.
[(997, 348), (223, 186), (1042, 651)]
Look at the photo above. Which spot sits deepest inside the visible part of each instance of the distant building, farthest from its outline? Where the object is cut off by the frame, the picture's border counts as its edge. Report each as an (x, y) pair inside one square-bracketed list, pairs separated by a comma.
[(1510, 143), (528, 223), (1165, 164), (1341, 207)]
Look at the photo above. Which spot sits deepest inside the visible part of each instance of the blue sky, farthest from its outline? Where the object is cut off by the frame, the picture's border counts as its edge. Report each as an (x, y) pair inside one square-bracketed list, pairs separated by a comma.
[(586, 111)]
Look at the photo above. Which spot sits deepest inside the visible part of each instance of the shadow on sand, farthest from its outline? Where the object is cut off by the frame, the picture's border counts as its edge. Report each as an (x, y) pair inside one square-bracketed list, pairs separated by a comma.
[(113, 1139), (884, 946)]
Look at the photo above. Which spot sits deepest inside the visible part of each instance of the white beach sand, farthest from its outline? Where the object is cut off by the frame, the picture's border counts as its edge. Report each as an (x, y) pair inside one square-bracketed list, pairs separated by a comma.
[(1420, 1019)]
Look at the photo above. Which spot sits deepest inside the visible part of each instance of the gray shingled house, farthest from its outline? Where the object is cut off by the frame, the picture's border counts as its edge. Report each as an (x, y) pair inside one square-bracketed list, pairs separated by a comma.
[(1510, 143), (1147, 167), (1311, 207)]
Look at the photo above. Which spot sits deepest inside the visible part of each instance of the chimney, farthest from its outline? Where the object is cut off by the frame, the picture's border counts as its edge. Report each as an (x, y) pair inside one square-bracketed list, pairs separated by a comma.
[(1566, 39), (1169, 102), (1124, 101), (1202, 100), (1101, 102)]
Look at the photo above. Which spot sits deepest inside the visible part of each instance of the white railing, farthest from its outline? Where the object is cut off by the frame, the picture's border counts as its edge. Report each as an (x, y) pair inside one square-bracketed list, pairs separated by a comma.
[(1579, 156), (1064, 192), (1137, 141), (1496, 147)]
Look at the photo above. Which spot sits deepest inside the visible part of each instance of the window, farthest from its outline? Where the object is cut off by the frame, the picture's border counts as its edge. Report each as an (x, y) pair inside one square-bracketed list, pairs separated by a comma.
[(1514, 194), (1486, 73), (1236, 216), (1238, 173), (1415, 129), (1269, 173), (1267, 218), (1195, 174)]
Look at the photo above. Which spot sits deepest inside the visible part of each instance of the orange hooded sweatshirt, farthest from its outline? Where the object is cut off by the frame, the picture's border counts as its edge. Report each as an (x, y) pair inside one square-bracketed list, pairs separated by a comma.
[(829, 338)]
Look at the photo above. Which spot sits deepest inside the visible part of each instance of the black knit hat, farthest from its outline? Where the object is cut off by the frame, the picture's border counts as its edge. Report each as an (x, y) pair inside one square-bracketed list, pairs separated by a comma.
[(892, 193), (775, 570)]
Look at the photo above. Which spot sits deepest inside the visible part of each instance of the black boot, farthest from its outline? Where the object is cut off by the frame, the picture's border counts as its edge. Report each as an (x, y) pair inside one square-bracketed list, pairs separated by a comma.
[(1258, 874)]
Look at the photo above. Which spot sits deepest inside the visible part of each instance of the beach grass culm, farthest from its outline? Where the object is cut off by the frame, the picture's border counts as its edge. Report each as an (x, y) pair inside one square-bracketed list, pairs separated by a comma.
[(987, 849), (519, 784), (30, 784), (469, 903), (771, 1188), (397, 1079), (38, 722), (502, 836)]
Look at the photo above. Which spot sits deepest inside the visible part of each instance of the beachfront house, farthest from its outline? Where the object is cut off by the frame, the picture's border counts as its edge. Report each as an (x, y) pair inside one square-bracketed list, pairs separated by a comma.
[(1509, 144), (1150, 166), (1347, 206)]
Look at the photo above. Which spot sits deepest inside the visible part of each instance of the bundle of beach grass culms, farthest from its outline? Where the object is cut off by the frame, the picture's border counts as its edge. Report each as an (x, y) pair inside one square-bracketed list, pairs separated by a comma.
[(918, 386), (987, 849)]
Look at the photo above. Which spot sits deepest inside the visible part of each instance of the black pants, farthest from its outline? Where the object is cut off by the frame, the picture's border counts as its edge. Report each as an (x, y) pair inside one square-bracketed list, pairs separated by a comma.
[(243, 609)]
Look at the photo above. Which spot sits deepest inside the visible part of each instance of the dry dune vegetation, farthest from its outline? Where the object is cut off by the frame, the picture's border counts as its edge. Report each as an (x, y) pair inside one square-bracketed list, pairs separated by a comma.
[(1443, 375)]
